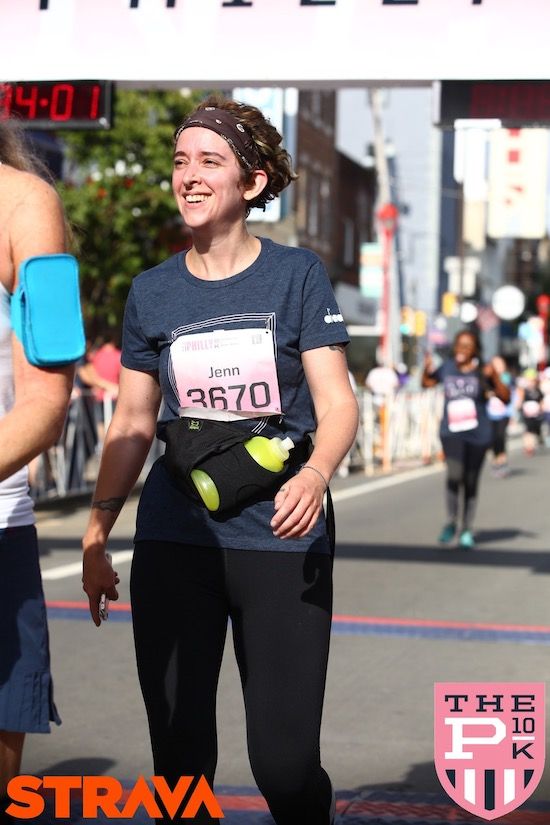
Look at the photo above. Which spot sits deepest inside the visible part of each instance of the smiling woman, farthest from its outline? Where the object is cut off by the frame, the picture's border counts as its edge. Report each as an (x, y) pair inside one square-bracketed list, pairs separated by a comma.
[(465, 430), (209, 184), (231, 335)]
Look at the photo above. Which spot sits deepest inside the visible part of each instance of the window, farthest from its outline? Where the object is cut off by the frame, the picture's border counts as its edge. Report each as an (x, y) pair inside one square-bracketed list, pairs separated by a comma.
[(349, 242), (326, 211), (313, 204)]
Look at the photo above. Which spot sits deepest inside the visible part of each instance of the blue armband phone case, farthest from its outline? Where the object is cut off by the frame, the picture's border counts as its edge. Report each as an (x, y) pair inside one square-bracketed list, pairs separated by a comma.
[(45, 310)]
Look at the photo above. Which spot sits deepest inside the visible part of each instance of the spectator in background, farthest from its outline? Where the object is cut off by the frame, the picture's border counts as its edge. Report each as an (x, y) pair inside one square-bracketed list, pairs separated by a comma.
[(529, 400), (106, 362), (402, 372), (545, 389), (343, 469), (101, 373), (381, 381), (33, 403)]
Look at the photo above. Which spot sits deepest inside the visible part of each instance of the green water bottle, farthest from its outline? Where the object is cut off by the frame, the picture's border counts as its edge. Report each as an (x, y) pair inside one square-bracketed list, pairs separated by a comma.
[(206, 489), (269, 453)]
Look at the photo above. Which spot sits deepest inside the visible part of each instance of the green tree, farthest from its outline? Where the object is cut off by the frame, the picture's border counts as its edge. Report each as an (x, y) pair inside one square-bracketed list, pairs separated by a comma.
[(119, 200)]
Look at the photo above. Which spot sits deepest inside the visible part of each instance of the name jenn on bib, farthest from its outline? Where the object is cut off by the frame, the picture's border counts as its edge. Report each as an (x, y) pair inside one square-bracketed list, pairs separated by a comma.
[(222, 372)]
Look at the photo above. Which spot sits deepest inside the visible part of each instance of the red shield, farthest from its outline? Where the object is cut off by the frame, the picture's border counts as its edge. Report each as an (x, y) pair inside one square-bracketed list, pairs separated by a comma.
[(489, 743)]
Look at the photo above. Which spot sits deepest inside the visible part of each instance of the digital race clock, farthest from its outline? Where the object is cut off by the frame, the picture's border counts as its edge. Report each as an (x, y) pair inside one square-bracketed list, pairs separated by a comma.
[(58, 104)]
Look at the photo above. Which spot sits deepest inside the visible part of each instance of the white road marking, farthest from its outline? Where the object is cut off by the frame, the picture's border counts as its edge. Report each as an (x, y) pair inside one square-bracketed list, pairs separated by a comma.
[(75, 568), (387, 481)]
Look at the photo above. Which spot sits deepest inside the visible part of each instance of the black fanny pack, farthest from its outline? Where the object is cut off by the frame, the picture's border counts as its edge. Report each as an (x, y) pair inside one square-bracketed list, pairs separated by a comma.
[(217, 448)]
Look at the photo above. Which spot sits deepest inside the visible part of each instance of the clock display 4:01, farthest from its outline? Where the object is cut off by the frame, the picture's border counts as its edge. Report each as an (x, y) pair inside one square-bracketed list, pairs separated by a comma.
[(56, 102)]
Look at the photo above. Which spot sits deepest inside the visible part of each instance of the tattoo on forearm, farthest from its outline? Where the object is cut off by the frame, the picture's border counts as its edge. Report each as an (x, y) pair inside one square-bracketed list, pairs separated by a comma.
[(113, 504), (338, 347)]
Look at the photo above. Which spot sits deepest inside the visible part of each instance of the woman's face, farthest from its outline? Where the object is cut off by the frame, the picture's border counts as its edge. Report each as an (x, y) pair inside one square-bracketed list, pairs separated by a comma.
[(207, 180), (464, 349)]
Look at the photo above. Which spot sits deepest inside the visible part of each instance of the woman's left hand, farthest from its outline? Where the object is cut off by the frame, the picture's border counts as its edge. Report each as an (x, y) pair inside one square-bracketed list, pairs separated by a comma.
[(298, 504), (494, 368)]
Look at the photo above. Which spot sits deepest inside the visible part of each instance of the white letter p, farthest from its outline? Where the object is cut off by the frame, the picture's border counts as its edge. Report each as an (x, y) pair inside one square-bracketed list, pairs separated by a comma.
[(459, 740)]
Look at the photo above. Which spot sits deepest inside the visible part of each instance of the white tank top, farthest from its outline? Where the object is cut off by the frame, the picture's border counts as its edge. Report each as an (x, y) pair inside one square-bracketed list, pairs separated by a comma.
[(16, 507)]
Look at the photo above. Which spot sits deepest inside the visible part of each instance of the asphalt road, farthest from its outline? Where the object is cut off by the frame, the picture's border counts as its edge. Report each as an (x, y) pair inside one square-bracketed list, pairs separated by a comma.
[(407, 614)]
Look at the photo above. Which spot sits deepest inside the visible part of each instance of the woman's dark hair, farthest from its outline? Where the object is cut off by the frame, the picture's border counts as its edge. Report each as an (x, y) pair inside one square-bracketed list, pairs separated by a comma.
[(15, 150), (274, 160), (475, 338)]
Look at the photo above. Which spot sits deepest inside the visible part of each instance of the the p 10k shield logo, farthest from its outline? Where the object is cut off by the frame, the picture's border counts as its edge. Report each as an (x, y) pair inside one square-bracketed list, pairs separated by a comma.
[(489, 743)]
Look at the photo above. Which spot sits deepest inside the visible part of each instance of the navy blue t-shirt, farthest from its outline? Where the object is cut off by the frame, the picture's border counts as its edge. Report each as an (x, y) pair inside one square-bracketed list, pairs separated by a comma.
[(465, 408), (286, 291)]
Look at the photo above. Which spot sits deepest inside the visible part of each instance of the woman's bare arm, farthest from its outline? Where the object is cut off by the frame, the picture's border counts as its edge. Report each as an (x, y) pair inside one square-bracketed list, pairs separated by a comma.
[(125, 449), (35, 227)]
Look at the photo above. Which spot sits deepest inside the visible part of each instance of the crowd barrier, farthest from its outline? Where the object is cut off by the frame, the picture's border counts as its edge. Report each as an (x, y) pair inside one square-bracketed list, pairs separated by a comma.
[(401, 427), (70, 467)]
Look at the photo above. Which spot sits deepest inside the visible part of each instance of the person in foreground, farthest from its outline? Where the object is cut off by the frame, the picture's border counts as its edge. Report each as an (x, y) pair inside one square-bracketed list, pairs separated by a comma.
[(266, 564), (466, 431), (33, 403)]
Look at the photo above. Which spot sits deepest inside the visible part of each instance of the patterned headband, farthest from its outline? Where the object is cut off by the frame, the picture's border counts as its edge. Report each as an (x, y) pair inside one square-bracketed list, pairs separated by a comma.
[(226, 125)]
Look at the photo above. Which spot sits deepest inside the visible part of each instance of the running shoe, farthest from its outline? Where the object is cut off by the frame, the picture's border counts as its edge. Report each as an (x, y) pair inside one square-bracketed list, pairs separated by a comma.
[(467, 540), (447, 534)]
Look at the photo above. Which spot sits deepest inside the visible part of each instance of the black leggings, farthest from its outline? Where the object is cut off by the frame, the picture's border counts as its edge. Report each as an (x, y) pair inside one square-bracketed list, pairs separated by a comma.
[(464, 463), (280, 605), (499, 426)]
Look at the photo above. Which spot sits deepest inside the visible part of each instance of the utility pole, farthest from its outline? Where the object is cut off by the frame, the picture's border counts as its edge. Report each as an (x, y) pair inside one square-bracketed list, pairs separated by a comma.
[(393, 355), (380, 159), (386, 214)]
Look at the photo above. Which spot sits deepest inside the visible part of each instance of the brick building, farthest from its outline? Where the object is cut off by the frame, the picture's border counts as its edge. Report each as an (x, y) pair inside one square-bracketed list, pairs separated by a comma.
[(330, 206)]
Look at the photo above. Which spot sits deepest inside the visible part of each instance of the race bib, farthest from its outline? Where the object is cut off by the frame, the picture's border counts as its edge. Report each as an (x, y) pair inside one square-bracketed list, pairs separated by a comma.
[(461, 415), (531, 409), (496, 407), (227, 370)]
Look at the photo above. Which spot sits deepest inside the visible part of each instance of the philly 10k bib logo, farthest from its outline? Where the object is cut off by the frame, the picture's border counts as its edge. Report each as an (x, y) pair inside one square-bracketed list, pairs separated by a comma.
[(489, 743)]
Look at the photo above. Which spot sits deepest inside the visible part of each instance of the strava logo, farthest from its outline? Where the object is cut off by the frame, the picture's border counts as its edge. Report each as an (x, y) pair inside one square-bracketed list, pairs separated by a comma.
[(489, 741), (104, 796)]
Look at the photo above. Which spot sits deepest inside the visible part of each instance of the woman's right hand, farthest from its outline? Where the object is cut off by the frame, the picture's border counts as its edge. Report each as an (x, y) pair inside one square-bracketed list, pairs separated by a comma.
[(98, 577)]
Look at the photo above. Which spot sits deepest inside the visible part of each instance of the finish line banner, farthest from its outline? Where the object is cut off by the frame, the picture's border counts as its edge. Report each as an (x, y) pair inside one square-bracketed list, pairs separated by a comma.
[(204, 43)]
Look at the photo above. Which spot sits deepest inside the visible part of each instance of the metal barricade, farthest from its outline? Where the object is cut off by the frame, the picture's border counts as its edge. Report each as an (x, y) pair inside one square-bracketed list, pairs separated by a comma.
[(70, 467), (409, 433), (399, 427)]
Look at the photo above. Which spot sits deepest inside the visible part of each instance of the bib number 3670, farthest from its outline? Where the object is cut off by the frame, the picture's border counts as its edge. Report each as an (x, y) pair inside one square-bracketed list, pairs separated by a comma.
[(238, 397), (231, 370)]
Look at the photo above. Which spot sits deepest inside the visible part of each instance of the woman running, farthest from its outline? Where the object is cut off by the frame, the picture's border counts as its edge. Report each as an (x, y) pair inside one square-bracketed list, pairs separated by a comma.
[(465, 427)]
